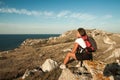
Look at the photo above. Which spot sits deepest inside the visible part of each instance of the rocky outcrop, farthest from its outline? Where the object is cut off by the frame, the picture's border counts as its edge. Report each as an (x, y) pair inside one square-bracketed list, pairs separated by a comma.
[(49, 65), (63, 38), (34, 52), (112, 70), (75, 74), (107, 40), (96, 69), (115, 54), (31, 42), (65, 76)]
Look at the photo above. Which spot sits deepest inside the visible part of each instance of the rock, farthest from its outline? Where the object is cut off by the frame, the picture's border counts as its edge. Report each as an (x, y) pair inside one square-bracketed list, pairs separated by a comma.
[(67, 75), (33, 52), (107, 40), (95, 32), (112, 69), (96, 69), (71, 33), (75, 74), (30, 72), (109, 48), (31, 42), (27, 72), (118, 35), (49, 65), (67, 50), (52, 40), (115, 54)]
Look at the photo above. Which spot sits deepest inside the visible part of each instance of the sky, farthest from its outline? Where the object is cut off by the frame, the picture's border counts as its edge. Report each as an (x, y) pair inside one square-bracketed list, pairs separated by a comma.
[(58, 16)]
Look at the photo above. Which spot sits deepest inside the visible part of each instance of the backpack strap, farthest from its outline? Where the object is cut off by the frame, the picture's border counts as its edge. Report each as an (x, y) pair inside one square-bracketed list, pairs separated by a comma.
[(89, 46), (85, 38)]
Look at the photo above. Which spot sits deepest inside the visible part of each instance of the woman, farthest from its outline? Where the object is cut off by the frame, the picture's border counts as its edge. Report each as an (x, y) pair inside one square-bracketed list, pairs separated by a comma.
[(79, 43)]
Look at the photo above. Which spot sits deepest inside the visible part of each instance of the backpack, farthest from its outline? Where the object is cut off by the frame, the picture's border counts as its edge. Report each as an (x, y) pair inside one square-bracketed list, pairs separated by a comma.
[(90, 43)]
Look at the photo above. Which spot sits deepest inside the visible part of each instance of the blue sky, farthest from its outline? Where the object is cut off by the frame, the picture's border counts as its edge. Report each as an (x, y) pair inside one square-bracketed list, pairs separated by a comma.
[(58, 16)]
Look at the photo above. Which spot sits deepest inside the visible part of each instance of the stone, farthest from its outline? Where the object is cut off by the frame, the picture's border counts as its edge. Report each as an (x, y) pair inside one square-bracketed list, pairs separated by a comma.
[(67, 75), (32, 52), (109, 48), (75, 74), (115, 54), (107, 40), (30, 72), (67, 50), (112, 69), (26, 74), (96, 69), (49, 65)]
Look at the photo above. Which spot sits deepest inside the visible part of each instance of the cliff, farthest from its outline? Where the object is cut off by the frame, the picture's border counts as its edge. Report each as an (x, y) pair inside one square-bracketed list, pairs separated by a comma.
[(32, 53)]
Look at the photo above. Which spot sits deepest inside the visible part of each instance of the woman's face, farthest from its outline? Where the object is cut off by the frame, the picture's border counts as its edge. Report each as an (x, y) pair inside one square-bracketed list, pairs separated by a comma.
[(78, 35)]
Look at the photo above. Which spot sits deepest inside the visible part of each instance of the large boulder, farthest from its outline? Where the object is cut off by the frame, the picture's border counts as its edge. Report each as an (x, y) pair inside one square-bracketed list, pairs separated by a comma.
[(112, 69), (74, 73), (49, 65), (107, 40), (96, 69), (67, 75), (115, 54)]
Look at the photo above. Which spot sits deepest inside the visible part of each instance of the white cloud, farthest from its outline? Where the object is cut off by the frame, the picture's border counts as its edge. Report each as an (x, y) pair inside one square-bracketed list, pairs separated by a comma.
[(69, 14), (21, 11), (82, 16), (26, 12), (46, 13), (63, 14), (107, 16)]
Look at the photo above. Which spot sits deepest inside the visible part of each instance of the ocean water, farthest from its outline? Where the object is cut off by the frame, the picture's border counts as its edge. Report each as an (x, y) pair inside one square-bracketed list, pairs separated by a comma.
[(8, 42)]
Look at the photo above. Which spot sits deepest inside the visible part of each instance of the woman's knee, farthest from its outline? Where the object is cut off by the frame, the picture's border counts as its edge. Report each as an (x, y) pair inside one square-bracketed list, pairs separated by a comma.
[(70, 54)]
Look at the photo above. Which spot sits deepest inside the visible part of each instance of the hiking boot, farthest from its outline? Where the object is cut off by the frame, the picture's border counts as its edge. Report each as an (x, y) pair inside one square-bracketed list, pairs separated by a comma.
[(78, 65), (62, 66)]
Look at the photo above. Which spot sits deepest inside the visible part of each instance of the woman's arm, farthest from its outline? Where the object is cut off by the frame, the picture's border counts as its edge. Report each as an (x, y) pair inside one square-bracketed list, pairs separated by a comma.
[(75, 48)]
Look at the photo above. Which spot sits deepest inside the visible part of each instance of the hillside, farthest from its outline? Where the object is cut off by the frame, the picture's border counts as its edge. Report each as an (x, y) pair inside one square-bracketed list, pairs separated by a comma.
[(32, 53)]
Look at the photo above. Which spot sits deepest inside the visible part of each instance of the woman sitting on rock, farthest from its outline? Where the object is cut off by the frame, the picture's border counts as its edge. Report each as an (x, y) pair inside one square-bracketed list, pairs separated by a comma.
[(78, 45)]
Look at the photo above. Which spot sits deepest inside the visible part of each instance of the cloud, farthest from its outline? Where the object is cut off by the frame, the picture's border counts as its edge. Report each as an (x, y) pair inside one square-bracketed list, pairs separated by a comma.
[(66, 14), (82, 16), (21, 11), (69, 14), (46, 13), (25, 12), (107, 16), (63, 14)]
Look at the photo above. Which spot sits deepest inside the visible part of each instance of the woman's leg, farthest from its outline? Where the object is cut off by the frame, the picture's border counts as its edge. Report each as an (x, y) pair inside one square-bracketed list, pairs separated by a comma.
[(68, 57)]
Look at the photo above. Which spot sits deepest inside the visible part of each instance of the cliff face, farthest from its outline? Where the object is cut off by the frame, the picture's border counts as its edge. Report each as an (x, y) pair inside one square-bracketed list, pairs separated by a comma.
[(33, 52)]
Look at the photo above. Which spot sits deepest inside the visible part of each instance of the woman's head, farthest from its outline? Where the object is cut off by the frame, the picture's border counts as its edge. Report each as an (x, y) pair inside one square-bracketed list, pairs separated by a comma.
[(81, 32)]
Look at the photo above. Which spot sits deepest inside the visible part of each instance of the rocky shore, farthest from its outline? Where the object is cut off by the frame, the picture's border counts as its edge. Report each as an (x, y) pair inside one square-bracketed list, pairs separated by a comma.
[(39, 59)]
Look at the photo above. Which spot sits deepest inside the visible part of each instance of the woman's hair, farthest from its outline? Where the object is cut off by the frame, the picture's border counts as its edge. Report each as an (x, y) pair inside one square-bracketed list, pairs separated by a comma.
[(82, 31)]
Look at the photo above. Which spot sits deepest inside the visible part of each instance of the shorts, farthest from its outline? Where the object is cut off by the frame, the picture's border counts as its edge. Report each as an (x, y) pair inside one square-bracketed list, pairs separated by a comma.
[(84, 56)]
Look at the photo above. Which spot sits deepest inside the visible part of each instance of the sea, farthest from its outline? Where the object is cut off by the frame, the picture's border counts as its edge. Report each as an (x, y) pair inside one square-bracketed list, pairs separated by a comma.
[(12, 41)]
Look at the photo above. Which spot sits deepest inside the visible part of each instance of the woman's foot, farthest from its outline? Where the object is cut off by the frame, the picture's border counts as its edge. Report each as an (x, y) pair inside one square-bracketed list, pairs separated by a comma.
[(62, 66), (78, 65)]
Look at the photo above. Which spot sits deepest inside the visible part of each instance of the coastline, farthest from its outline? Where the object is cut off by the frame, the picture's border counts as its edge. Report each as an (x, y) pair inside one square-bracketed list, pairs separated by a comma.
[(12, 41)]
